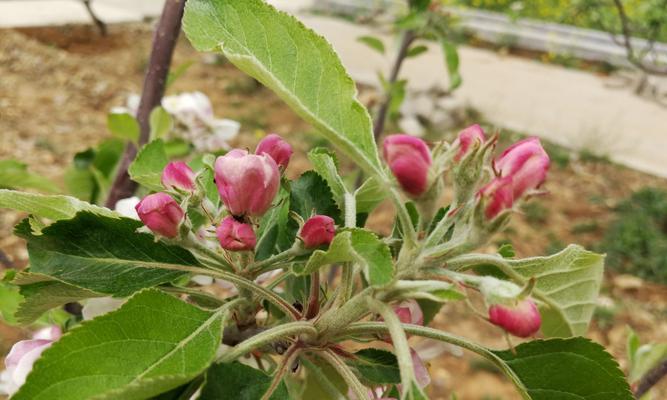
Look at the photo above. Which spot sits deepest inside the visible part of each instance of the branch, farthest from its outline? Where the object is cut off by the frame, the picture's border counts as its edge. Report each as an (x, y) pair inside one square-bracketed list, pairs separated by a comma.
[(651, 378), (164, 43), (380, 119), (101, 26)]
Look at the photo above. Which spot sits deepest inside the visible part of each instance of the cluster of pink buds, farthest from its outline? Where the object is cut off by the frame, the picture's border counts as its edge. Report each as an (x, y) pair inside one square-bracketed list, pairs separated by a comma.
[(521, 168), (522, 320), (466, 138), (247, 185), (409, 159)]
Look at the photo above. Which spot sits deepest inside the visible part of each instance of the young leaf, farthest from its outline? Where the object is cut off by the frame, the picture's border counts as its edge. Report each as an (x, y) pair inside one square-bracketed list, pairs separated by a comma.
[(311, 195), (10, 298), (123, 126), (15, 175), (324, 163), (147, 168), (372, 42), (452, 62), (360, 246), (42, 293), (160, 122), (574, 368), (570, 281), (643, 358), (152, 344), (239, 382), (292, 60), (416, 50), (52, 207), (377, 367), (103, 254), (369, 195)]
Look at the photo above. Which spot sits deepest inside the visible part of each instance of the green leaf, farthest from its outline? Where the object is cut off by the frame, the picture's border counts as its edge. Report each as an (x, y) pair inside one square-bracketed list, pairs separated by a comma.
[(10, 298), (53, 207), (103, 254), (369, 195), (311, 195), (178, 71), (276, 232), (564, 369), (160, 122), (360, 246), (295, 62), (452, 62), (570, 281), (15, 175), (324, 163), (123, 126), (419, 5), (373, 42), (376, 367), (147, 168), (152, 344), (239, 382), (42, 293), (643, 358), (322, 382), (416, 51)]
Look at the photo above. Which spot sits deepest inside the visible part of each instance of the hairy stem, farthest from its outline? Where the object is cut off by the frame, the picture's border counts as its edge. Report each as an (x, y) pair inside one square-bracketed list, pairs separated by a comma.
[(651, 378), (289, 357), (164, 42), (274, 262), (313, 307), (267, 337), (361, 328), (360, 391)]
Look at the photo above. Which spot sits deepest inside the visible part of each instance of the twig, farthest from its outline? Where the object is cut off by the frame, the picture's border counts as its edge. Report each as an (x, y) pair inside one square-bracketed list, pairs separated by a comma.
[(101, 26), (5, 261), (651, 378), (164, 43), (408, 37), (313, 307)]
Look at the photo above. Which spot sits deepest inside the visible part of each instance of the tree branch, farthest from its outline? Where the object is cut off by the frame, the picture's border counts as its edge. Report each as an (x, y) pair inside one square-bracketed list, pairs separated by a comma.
[(651, 378), (164, 42), (380, 119)]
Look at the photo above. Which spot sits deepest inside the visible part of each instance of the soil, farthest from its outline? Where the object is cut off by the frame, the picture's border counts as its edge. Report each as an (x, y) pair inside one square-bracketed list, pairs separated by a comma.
[(58, 84)]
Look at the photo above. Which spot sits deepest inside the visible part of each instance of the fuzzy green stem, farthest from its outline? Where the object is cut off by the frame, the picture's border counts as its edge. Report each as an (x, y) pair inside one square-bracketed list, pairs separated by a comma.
[(360, 391), (267, 337), (365, 328), (274, 262)]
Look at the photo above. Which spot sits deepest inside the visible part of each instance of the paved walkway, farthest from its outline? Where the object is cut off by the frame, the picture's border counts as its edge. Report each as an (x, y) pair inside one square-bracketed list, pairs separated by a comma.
[(570, 107)]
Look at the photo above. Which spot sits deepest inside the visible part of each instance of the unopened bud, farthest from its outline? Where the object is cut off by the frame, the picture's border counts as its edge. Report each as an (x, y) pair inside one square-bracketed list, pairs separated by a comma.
[(161, 214)]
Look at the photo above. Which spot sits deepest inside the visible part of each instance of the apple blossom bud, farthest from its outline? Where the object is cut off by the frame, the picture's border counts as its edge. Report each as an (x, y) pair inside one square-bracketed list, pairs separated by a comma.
[(522, 320), (467, 138), (247, 183), (177, 175), (276, 148), (319, 230), (526, 162), (409, 312), (498, 195), (161, 214), (409, 160), (235, 235), (23, 355)]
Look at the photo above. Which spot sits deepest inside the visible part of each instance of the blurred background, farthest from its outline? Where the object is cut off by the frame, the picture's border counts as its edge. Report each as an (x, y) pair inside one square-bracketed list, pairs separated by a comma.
[(589, 77)]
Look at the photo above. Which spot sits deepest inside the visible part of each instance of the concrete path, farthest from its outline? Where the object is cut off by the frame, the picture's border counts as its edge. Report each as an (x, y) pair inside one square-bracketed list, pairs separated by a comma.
[(573, 108)]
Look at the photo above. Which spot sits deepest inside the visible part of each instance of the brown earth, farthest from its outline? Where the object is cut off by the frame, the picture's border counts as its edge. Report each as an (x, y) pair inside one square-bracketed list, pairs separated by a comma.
[(56, 86)]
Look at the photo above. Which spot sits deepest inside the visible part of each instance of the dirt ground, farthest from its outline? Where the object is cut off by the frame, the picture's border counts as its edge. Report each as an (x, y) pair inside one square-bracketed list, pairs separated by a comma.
[(57, 85)]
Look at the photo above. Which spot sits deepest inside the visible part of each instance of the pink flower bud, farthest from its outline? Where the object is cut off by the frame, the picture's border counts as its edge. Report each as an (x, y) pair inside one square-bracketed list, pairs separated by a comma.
[(526, 162), (522, 320), (319, 230), (276, 148), (467, 137), (236, 236), (177, 175), (409, 160), (498, 195), (247, 183), (161, 214), (409, 312)]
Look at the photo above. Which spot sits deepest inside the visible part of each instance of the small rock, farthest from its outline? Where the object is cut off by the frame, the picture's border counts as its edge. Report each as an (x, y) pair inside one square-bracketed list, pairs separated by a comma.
[(411, 126)]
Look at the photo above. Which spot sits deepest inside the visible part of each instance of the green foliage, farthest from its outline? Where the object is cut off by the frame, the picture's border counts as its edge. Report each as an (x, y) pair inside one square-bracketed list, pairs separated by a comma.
[(643, 357), (161, 122), (10, 298), (636, 241), (561, 369), (15, 175), (372, 42), (102, 254), (152, 344), (53, 207), (239, 382), (147, 168), (91, 173), (123, 126), (376, 367), (296, 63)]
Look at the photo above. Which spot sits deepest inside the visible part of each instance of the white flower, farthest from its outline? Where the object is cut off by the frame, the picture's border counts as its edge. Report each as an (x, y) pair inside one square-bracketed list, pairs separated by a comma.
[(99, 306), (22, 356), (126, 207)]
